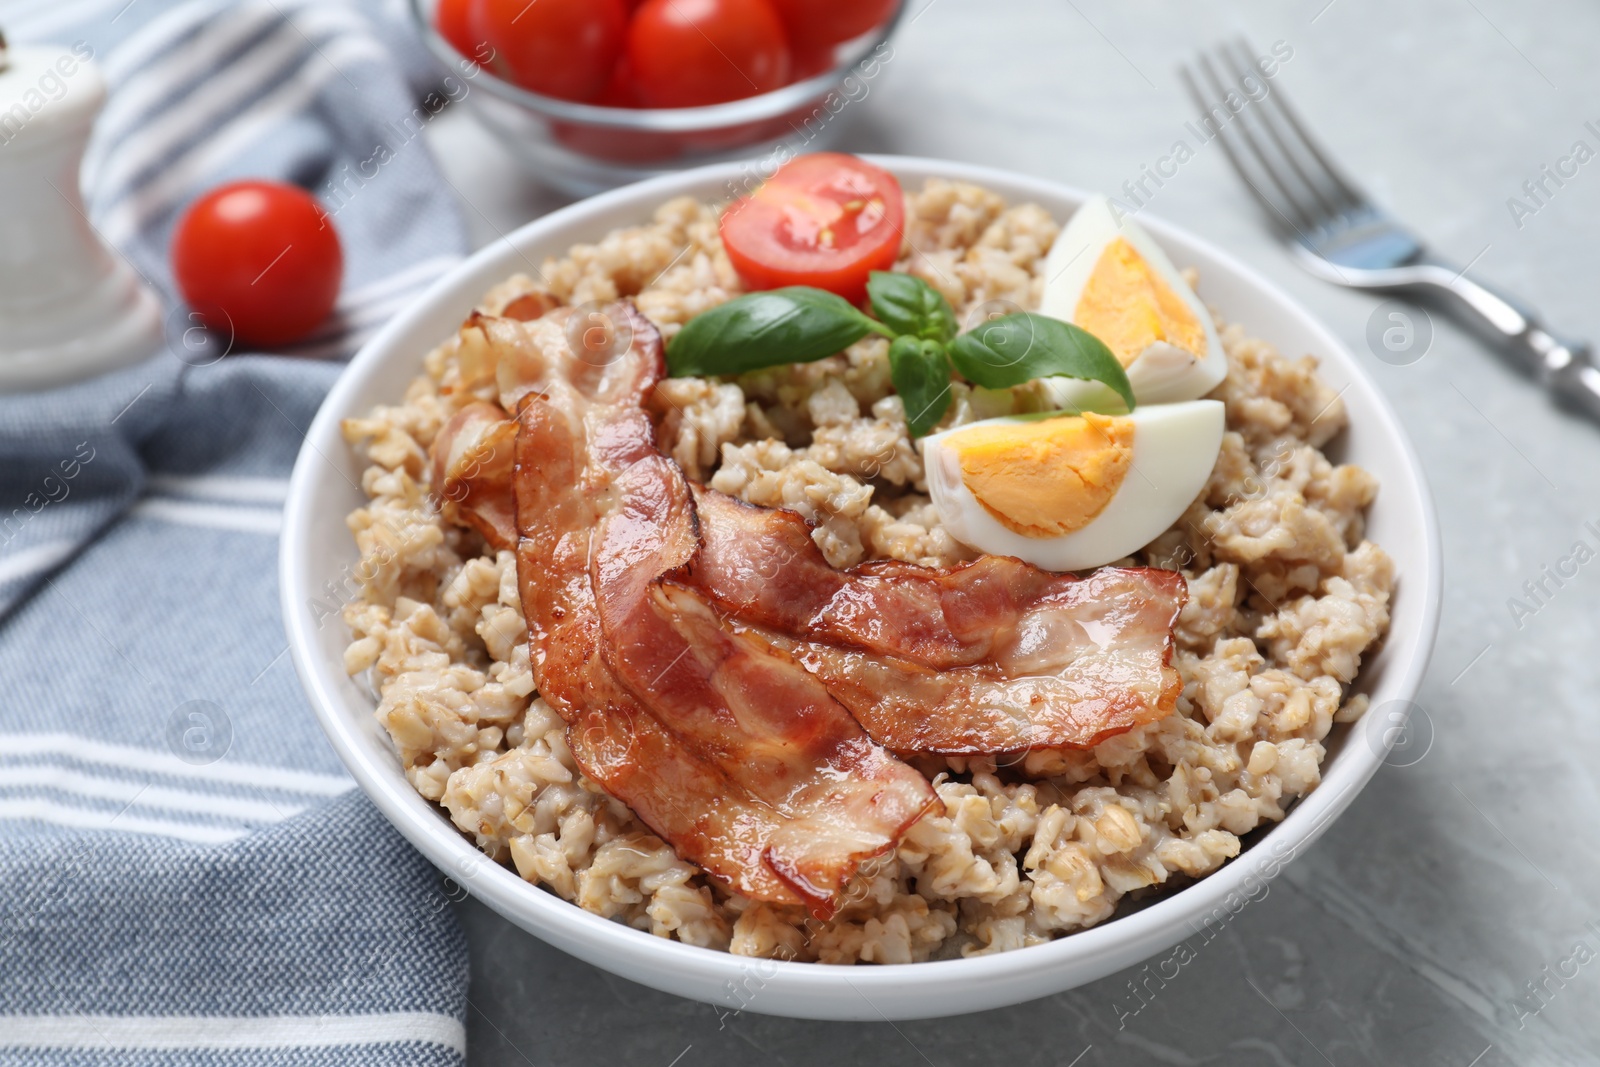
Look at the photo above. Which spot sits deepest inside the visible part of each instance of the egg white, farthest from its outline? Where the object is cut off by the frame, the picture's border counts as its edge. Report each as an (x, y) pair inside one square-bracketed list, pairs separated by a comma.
[(1161, 373), (1175, 447)]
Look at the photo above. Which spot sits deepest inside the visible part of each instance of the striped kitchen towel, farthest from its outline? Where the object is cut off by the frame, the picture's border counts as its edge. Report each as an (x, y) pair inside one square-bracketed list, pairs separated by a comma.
[(186, 873)]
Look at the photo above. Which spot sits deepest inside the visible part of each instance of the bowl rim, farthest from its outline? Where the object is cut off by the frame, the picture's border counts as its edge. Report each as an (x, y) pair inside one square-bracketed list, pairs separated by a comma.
[(750, 109), (1148, 930)]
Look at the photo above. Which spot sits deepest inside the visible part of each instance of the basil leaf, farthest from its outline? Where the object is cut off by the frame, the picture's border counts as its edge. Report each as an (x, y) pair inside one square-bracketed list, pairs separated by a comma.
[(909, 305), (920, 369), (765, 329), (1018, 348)]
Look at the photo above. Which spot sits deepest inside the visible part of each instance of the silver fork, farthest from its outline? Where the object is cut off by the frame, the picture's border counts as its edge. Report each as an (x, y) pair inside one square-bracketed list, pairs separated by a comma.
[(1341, 236)]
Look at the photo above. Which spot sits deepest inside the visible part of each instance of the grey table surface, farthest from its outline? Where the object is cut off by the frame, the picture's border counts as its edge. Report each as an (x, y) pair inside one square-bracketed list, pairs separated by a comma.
[(1416, 931)]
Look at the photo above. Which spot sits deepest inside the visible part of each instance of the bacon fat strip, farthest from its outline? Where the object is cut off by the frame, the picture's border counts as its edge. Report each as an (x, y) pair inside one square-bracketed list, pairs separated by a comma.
[(987, 657), (559, 489), (746, 707)]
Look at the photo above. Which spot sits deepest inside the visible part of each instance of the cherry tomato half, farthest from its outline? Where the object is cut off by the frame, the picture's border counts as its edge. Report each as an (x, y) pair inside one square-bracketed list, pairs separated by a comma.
[(260, 260), (689, 53), (825, 220), (814, 23), (561, 48)]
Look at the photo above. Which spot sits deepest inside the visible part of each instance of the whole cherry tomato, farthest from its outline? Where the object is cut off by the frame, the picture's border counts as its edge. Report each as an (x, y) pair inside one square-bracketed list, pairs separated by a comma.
[(561, 48), (825, 220), (258, 260), (813, 23), (811, 61), (689, 53), (453, 20), (620, 90), (617, 144)]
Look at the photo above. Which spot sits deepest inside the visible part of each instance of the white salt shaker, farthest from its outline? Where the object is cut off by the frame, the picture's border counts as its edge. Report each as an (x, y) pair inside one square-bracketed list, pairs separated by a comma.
[(69, 307)]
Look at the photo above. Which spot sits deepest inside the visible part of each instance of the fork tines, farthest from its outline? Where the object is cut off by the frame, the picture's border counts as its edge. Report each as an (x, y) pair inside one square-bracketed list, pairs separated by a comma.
[(1265, 140)]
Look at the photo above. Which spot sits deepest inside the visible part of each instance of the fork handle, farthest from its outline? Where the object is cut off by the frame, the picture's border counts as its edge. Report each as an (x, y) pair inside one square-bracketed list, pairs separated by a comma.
[(1564, 366)]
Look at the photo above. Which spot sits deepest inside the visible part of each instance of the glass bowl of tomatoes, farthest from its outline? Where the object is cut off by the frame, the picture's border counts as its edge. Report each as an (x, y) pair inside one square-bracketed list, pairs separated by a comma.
[(593, 94)]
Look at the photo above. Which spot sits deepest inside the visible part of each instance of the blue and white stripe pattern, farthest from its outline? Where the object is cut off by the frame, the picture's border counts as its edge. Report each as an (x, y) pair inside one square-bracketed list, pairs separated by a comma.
[(186, 873)]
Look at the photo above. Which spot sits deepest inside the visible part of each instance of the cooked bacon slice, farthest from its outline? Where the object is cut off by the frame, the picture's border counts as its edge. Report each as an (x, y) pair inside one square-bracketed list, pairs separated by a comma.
[(472, 459), (988, 657), (685, 800), (614, 740), (908, 707), (746, 706), (736, 756)]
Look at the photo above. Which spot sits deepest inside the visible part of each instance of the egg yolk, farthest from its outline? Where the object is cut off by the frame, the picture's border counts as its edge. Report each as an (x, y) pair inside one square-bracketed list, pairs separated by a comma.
[(1129, 307), (1046, 478)]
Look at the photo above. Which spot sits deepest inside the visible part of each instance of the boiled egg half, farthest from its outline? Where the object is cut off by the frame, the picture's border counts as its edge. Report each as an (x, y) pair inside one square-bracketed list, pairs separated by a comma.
[(1106, 275), (1068, 492)]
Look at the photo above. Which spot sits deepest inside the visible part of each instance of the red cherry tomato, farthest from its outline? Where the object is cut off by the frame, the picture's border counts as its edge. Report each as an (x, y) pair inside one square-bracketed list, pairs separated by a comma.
[(825, 220), (561, 48), (689, 53), (453, 20), (616, 144), (620, 90), (259, 260), (809, 62), (814, 23)]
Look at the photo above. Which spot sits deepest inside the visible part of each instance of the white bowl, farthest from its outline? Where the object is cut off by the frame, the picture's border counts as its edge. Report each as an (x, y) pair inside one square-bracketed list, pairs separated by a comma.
[(317, 548)]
